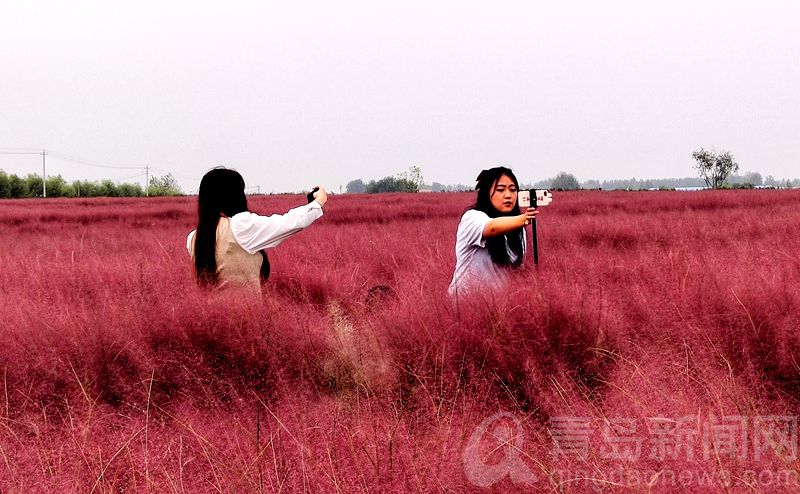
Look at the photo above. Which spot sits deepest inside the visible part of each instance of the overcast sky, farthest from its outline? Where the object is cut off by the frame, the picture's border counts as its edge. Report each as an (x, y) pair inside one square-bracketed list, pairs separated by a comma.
[(296, 93)]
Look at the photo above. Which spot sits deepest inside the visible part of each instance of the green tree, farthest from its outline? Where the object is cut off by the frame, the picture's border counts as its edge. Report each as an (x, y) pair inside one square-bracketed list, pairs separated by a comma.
[(33, 185), (57, 187), (413, 176), (565, 181), (5, 185), (18, 186), (409, 181), (84, 188), (130, 190), (391, 184), (108, 189), (165, 185), (356, 186), (714, 168)]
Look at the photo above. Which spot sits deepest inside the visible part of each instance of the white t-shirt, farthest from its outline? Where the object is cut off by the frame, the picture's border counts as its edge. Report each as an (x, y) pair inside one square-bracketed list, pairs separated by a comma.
[(474, 266), (255, 232)]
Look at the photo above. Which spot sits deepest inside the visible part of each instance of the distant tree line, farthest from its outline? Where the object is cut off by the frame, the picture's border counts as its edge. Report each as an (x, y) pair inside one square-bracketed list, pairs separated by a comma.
[(567, 181), (748, 179), (437, 187), (15, 187), (643, 184), (562, 181), (715, 169), (409, 181)]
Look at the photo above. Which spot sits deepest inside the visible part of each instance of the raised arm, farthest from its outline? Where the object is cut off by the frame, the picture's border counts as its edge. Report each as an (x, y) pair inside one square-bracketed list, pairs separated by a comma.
[(505, 224), (254, 232)]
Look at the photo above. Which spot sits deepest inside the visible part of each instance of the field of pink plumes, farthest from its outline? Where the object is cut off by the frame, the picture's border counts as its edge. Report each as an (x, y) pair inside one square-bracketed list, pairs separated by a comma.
[(655, 349)]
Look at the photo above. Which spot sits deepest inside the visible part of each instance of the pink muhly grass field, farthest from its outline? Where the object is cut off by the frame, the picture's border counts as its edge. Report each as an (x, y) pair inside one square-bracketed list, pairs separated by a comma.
[(356, 373)]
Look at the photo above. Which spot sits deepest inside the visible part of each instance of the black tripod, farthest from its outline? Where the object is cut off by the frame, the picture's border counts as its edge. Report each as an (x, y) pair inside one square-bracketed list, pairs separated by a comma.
[(534, 238)]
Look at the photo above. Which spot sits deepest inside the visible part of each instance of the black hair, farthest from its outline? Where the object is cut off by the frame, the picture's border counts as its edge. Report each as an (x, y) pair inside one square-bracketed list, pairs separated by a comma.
[(487, 180), (221, 193)]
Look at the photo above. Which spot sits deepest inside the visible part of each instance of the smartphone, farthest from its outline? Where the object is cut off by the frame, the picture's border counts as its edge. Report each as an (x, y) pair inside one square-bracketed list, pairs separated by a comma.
[(310, 195), (543, 197)]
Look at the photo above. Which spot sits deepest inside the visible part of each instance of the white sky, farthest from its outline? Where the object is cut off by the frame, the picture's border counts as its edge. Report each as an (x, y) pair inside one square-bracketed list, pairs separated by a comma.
[(296, 93)]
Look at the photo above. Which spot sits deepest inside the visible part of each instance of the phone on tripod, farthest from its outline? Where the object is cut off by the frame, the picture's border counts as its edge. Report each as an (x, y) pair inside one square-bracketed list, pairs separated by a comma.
[(533, 199), (541, 197)]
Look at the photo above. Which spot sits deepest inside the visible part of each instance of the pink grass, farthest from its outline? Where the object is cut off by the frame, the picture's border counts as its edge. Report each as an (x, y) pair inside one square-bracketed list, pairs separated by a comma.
[(358, 374)]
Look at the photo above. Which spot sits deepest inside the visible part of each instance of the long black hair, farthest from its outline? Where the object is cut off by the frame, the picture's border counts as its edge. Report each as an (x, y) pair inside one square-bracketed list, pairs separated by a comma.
[(221, 193), (514, 239)]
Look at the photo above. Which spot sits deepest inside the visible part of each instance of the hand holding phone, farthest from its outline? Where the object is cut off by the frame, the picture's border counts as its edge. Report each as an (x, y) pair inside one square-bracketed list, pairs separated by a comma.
[(319, 194), (310, 195)]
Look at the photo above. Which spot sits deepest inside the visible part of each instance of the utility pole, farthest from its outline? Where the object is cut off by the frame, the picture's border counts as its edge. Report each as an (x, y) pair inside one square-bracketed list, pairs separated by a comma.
[(258, 189), (146, 180), (44, 174)]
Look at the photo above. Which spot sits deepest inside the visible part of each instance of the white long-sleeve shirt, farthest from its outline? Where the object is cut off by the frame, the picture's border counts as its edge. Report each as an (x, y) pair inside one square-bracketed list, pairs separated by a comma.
[(254, 232), (240, 238)]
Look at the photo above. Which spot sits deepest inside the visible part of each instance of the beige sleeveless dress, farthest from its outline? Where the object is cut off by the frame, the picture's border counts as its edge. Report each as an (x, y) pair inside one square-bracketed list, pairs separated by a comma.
[(235, 267)]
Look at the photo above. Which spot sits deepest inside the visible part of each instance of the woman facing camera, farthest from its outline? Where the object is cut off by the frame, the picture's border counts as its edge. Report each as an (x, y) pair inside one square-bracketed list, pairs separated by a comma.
[(228, 246), (491, 235)]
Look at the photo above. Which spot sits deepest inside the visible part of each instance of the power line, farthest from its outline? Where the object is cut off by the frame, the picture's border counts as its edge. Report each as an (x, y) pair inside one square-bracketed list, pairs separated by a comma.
[(70, 179), (77, 159), (131, 176), (146, 168), (184, 177), (99, 164)]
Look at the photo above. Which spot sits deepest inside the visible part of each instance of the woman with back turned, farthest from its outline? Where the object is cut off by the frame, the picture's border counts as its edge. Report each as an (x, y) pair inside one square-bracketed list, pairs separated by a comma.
[(228, 246), (491, 235)]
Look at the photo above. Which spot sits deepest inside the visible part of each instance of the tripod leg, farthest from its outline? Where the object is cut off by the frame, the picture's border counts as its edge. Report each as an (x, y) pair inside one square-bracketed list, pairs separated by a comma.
[(535, 241)]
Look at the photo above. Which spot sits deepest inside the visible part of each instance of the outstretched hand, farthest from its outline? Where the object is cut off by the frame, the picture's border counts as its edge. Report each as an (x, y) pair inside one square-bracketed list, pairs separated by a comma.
[(321, 196), (530, 215)]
